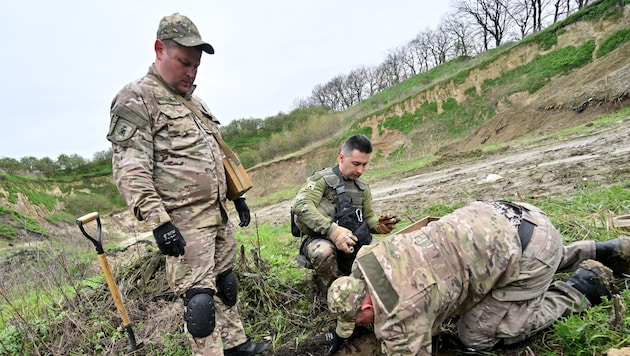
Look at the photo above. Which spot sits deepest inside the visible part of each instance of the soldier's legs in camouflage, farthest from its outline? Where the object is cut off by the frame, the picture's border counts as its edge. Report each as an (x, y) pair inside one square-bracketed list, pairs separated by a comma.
[(493, 320), (323, 256), (229, 323), (196, 268), (192, 271), (504, 313), (525, 320), (576, 252)]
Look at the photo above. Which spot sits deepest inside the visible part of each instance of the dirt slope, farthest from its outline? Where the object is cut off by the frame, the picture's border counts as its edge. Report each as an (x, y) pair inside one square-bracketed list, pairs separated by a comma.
[(570, 99)]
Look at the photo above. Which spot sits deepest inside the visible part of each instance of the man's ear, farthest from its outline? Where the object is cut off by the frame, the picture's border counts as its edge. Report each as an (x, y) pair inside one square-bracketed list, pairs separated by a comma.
[(159, 48)]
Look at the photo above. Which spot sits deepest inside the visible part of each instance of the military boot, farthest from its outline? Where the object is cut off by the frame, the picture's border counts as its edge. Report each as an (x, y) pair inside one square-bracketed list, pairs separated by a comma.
[(615, 254), (247, 349), (594, 280)]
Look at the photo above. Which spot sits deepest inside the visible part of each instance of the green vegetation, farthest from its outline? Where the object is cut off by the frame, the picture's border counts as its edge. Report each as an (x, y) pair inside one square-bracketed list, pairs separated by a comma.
[(12, 220), (62, 291), (535, 74), (613, 41), (590, 333)]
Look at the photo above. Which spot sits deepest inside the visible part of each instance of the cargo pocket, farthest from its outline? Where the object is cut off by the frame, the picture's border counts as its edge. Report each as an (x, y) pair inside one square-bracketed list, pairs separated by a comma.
[(182, 130)]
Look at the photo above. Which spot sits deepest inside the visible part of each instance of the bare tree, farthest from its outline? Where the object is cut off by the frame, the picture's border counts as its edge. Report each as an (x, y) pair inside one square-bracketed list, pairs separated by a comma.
[(490, 15), (373, 80), (356, 82), (319, 97), (439, 43), (340, 92), (419, 47), (409, 61), (537, 11), (581, 4), (521, 12), (460, 34), (558, 9), (392, 69), (332, 96)]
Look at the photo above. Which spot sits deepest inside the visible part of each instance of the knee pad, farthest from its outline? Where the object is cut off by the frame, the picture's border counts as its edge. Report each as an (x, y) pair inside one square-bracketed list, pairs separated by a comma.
[(227, 284), (199, 314)]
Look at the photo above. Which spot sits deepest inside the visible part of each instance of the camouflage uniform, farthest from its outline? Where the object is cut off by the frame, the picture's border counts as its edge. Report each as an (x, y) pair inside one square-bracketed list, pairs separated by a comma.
[(470, 264), (168, 167), (314, 209)]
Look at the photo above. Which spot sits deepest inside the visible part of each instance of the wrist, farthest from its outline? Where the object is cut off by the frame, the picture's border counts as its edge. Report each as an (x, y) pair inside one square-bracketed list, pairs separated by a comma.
[(331, 228), (156, 220)]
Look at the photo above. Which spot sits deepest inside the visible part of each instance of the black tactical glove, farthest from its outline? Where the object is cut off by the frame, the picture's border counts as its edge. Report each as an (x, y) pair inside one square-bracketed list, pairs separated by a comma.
[(169, 240), (334, 341), (243, 211)]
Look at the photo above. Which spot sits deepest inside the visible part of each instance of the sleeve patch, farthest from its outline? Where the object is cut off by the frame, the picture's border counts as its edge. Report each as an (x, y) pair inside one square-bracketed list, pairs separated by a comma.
[(123, 130)]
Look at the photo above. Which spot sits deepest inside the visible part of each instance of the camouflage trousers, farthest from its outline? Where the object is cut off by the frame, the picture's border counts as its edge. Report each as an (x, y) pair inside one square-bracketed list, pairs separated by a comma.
[(208, 252), (327, 262), (532, 303)]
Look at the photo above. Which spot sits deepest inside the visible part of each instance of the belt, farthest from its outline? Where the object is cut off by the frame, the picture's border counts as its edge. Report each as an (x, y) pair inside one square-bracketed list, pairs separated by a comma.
[(525, 232)]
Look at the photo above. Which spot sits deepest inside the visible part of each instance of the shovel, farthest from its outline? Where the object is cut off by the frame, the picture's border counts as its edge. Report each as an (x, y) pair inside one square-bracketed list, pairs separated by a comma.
[(111, 283)]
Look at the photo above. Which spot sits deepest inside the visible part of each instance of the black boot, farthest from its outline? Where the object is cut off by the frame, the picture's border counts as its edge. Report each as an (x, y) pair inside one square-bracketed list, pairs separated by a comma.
[(615, 254), (594, 280), (246, 349)]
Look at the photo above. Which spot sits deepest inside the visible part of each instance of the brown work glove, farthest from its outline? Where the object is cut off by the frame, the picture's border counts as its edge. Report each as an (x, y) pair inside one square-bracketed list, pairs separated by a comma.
[(343, 238), (387, 223)]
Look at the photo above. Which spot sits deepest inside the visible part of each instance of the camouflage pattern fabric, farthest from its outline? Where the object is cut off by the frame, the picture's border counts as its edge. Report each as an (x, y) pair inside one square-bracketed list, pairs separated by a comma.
[(182, 30), (344, 300), (469, 264), (168, 167), (314, 209)]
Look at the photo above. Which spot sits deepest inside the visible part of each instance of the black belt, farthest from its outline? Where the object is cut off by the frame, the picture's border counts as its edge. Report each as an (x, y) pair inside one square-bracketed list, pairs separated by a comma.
[(525, 232)]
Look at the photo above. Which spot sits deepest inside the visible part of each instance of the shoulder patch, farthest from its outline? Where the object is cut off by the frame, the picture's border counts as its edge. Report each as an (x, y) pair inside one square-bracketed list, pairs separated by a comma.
[(122, 131), (310, 185), (125, 123)]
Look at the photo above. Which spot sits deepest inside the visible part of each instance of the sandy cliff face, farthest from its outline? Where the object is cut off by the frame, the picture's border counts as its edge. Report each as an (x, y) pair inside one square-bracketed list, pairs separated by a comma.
[(602, 86)]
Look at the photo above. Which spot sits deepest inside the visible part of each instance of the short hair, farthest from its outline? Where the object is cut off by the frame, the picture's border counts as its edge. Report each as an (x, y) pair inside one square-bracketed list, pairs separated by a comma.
[(170, 44), (357, 142)]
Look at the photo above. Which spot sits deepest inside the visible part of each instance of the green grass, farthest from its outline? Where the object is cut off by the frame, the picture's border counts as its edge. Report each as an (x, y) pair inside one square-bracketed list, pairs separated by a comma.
[(535, 74), (585, 214), (591, 333), (613, 42)]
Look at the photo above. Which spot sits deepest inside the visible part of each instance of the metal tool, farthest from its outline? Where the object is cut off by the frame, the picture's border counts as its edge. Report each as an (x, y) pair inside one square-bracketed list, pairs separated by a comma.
[(111, 283)]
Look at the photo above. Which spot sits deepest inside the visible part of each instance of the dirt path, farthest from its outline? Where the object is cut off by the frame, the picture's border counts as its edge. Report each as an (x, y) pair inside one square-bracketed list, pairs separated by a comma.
[(547, 167)]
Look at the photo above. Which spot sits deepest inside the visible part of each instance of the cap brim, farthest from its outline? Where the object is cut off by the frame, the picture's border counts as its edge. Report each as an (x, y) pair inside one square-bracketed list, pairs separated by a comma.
[(345, 328), (195, 42)]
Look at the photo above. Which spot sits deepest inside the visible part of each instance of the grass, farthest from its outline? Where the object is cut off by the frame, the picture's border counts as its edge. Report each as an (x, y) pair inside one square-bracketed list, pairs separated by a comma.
[(274, 292), (58, 297)]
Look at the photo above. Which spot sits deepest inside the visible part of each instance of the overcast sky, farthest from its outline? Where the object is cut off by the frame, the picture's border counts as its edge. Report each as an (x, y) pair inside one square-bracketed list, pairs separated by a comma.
[(65, 60)]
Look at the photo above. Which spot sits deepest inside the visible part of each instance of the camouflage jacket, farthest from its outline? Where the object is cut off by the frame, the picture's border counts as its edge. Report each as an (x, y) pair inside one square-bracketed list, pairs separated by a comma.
[(314, 204), (166, 162), (420, 279)]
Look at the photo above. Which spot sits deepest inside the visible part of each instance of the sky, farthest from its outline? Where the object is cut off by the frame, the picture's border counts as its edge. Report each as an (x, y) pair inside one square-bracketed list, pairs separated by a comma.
[(65, 60)]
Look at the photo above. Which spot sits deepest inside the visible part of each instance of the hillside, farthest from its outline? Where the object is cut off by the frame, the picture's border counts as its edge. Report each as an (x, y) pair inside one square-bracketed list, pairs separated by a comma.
[(600, 87), (495, 129)]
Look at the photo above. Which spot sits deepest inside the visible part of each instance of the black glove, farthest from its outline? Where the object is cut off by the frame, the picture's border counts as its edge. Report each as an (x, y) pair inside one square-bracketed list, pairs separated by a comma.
[(169, 240), (243, 211), (334, 341)]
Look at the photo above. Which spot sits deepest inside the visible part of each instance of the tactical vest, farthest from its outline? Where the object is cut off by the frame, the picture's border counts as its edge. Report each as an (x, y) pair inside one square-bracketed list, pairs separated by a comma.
[(355, 190)]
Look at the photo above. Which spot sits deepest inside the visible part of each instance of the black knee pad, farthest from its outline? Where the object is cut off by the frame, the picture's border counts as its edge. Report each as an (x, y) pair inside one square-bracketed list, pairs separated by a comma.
[(227, 284), (199, 314)]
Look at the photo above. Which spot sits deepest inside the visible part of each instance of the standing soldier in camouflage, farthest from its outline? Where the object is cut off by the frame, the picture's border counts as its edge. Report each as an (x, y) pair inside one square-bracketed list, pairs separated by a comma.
[(330, 242), (491, 263), (168, 167)]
